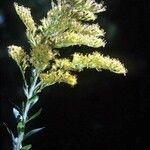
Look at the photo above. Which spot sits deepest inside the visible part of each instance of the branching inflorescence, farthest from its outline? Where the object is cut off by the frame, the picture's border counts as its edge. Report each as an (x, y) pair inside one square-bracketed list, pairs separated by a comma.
[(66, 24)]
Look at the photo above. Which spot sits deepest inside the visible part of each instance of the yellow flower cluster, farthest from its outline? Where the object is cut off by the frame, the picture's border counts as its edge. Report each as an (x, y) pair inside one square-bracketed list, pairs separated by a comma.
[(64, 26), (90, 5), (99, 62), (63, 64), (86, 9), (40, 57), (57, 77), (25, 16), (19, 55), (90, 61), (71, 38), (86, 29)]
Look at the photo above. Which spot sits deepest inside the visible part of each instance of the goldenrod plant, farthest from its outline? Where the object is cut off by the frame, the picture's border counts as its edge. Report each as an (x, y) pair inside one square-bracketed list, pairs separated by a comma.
[(68, 23)]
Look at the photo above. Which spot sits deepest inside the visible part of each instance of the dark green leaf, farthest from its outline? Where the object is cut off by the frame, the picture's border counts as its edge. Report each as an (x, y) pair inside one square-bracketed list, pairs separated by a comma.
[(35, 115), (32, 132)]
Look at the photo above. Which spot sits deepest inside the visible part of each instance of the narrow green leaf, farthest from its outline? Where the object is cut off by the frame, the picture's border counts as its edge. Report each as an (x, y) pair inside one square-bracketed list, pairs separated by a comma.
[(27, 147), (32, 132), (35, 115)]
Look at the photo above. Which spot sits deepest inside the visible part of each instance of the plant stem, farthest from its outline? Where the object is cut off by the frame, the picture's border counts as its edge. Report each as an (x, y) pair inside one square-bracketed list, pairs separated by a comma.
[(25, 111)]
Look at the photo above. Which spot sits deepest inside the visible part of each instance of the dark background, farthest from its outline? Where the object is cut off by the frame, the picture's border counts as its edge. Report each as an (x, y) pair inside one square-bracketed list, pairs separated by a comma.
[(104, 111)]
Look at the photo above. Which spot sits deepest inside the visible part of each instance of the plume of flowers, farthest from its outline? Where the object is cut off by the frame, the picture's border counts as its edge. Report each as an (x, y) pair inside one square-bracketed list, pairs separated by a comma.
[(66, 24)]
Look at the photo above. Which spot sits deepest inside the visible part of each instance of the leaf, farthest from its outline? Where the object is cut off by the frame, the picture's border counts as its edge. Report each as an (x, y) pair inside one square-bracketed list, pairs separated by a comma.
[(17, 107), (27, 147), (32, 132), (16, 113), (33, 100), (14, 140), (9, 131), (25, 90), (20, 126), (35, 115)]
